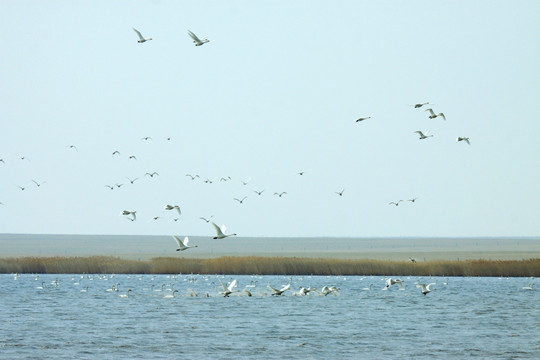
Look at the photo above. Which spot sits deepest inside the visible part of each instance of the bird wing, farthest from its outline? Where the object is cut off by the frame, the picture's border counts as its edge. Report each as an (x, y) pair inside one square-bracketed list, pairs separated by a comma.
[(273, 289), (428, 285), (178, 209), (186, 240), (218, 230), (224, 287), (231, 285), (138, 34), (286, 287), (442, 115), (430, 111), (194, 37), (467, 141), (178, 241), (419, 133)]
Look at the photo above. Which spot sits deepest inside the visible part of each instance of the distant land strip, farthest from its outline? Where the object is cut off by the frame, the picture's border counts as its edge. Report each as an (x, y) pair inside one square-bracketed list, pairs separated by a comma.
[(253, 265)]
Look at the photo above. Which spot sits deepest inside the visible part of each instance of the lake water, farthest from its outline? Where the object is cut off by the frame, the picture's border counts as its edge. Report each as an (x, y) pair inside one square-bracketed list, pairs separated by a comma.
[(75, 317)]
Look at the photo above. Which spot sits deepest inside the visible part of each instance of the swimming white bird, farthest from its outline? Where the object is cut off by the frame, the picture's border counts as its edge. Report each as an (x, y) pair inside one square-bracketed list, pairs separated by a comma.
[(141, 38), (425, 289), (241, 201), (280, 194), (170, 296), (433, 115), (196, 40), (132, 213), (340, 193), (172, 207), (126, 294), (422, 135), (466, 139), (530, 287), (363, 118), (227, 290), (183, 245), (221, 231), (280, 291)]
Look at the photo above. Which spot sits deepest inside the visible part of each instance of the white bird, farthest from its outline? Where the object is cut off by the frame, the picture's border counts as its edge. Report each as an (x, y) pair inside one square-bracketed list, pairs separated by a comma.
[(220, 231), (326, 290), (425, 289), (141, 38), (183, 245), (466, 139), (227, 290), (422, 135), (132, 213), (126, 294), (172, 207), (196, 40), (241, 201), (363, 118), (170, 296), (390, 282), (530, 287), (280, 291), (433, 115)]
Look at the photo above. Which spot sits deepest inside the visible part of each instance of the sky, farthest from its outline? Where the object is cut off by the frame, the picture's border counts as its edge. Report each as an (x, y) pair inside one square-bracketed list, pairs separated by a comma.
[(275, 92)]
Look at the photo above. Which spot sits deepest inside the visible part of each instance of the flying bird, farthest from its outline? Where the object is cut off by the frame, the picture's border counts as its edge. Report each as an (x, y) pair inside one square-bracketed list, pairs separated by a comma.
[(220, 232), (116, 152), (432, 115), (425, 289), (172, 207), (258, 192), (422, 135), (205, 219), (395, 203), (132, 213), (141, 38), (241, 201), (152, 174), (416, 106), (146, 138), (133, 157), (193, 177), (196, 40), (38, 184), (279, 292), (132, 180), (227, 290), (72, 147), (280, 194), (466, 139), (245, 182), (340, 193), (413, 199), (363, 118), (110, 187), (183, 245)]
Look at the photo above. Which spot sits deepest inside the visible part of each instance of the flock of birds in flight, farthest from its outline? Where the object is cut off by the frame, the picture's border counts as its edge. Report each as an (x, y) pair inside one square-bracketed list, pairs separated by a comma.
[(221, 231)]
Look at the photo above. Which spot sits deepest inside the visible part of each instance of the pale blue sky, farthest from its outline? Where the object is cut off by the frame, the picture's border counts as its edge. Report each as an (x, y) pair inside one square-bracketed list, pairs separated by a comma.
[(275, 92)]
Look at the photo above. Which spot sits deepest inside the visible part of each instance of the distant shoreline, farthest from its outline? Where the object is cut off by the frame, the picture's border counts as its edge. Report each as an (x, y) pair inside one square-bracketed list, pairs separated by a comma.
[(253, 265)]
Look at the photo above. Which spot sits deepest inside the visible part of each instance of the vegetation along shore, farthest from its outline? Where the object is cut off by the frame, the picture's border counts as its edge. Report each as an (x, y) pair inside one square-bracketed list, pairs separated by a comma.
[(250, 265)]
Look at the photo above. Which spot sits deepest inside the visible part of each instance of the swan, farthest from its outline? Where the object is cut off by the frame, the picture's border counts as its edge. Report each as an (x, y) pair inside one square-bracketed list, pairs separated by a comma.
[(303, 291), (422, 135), (363, 118), (196, 40), (183, 245), (433, 115), (281, 291), (132, 213), (326, 290), (416, 106), (530, 287), (245, 182), (466, 139), (172, 207), (126, 294), (192, 293), (141, 38), (85, 289), (390, 282), (425, 288), (220, 231), (241, 201), (170, 296), (368, 288), (146, 138), (227, 290)]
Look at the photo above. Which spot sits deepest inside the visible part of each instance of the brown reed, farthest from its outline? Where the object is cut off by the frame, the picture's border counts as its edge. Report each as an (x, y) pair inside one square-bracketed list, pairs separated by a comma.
[(268, 266)]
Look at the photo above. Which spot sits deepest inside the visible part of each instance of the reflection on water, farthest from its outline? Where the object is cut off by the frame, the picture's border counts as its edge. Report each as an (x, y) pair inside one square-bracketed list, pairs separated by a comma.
[(96, 316)]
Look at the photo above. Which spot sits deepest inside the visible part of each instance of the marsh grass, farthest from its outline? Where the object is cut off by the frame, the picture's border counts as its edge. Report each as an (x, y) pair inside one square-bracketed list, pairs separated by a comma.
[(250, 265)]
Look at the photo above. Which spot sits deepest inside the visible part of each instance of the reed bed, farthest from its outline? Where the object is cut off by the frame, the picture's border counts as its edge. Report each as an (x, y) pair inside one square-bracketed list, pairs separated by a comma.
[(251, 265)]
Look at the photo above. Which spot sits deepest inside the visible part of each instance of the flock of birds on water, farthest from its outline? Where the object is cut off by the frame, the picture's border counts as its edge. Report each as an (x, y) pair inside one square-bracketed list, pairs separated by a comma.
[(220, 231), (218, 288)]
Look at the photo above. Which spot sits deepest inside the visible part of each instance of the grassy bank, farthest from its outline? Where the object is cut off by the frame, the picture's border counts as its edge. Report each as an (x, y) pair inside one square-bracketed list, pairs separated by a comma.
[(268, 266)]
